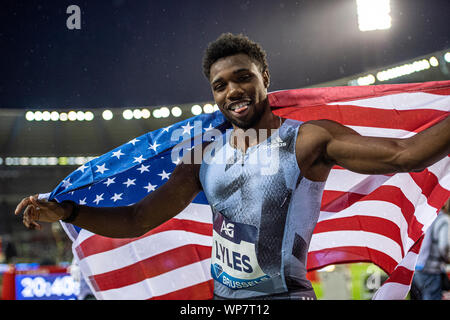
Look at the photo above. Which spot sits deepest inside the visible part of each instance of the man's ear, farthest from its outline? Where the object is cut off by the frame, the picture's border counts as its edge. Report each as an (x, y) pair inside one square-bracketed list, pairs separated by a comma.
[(266, 78)]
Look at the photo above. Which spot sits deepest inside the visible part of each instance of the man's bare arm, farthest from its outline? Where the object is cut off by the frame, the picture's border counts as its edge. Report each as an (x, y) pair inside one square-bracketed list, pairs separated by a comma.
[(121, 222), (336, 144)]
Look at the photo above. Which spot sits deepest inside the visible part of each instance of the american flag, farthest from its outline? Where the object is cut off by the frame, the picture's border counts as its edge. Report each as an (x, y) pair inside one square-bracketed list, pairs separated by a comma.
[(371, 218)]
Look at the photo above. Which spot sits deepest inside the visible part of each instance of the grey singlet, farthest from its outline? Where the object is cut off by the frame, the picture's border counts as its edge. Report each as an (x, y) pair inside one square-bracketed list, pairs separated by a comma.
[(264, 213)]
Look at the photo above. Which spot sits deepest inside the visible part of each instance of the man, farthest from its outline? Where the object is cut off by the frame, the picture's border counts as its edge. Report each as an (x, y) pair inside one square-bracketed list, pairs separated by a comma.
[(433, 257), (263, 220)]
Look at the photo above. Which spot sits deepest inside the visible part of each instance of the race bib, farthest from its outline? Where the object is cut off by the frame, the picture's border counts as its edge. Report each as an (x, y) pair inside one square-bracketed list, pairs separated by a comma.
[(233, 258)]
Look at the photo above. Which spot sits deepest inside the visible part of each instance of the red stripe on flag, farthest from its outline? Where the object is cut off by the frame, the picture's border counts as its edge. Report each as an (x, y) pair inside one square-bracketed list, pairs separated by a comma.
[(201, 291), (429, 184), (409, 120), (317, 96), (363, 223), (401, 275), (151, 267), (335, 201), (349, 254), (97, 244)]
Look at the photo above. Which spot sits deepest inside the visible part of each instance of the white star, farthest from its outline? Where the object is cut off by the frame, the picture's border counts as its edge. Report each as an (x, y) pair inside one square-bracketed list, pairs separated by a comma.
[(187, 128), (83, 201), (116, 197), (109, 181), (154, 146), (98, 198), (82, 168), (150, 187), (166, 129), (164, 175), (130, 182), (209, 128), (66, 183), (143, 168), (134, 141), (102, 168), (139, 159), (118, 154)]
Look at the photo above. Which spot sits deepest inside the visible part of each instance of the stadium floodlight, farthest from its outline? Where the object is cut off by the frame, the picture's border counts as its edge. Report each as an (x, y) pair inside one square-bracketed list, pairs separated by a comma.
[(107, 115), (196, 110), (137, 114), (72, 115), (447, 57), (63, 116), (54, 116), (145, 113), (29, 115), (127, 114), (46, 116), (208, 108), (374, 14), (176, 111), (80, 116), (403, 70), (38, 116), (157, 113), (165, 112), (88, 116), (366, 80), (433, 61)]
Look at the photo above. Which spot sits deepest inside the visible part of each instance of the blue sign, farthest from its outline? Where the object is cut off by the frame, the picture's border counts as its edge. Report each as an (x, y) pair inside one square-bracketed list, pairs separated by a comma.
[(54, 286)]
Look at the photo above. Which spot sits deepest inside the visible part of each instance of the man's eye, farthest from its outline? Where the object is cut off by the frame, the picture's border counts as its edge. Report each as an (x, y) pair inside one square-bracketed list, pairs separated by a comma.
[(245, 77), (219, 87)]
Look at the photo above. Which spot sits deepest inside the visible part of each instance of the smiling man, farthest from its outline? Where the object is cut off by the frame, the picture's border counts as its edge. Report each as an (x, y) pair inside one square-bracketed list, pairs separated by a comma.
[(262, 222)]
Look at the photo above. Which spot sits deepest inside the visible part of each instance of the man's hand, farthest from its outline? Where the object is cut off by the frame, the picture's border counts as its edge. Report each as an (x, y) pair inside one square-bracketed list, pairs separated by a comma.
[(41, 210)]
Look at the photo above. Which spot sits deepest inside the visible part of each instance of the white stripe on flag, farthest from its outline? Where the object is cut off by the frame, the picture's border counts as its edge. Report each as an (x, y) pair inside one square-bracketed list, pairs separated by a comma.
[(333, 239), (165, 283), (141, 249), (348, 181), (403, 101)]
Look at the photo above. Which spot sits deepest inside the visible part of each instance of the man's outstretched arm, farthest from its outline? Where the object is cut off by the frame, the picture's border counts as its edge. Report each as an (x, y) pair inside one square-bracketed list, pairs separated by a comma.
[(337, 144), (120, 222)]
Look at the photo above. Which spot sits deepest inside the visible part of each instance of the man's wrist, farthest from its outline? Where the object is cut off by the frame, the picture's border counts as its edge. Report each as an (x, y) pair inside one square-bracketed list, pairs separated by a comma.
[(70, 211)]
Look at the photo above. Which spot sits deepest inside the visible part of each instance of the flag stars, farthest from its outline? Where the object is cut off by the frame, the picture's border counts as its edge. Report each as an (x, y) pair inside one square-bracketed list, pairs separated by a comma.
[(98, 198), (209, 128), (102, 168), (187, 128), (138, 159), (116, 197), (82, 168), (109, 181), (154, 146), (133, 142), (117, 154), (82, 201), (164, 175), (150, 187), (143, 168), (66, 183), (130, 182)]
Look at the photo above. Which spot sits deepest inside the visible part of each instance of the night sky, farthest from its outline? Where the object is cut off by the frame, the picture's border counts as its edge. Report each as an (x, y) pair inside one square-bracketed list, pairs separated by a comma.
[(148, 53)]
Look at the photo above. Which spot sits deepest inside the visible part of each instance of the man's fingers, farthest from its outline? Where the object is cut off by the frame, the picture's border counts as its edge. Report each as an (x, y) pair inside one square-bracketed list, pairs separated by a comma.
[(22, 204)]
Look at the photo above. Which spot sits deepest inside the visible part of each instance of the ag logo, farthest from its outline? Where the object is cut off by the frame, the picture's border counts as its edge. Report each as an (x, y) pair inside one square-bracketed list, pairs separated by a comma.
[(228, 228)]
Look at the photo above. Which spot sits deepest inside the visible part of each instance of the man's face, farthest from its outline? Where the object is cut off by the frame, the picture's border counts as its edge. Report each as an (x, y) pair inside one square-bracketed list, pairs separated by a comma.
[(239, 89)]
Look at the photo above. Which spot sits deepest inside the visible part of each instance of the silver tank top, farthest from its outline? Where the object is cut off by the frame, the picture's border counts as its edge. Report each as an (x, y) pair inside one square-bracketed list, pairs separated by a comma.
[(264, 214)]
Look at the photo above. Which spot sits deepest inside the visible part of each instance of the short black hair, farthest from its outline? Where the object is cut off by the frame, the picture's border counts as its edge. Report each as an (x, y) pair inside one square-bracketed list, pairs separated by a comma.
[(229, 44)]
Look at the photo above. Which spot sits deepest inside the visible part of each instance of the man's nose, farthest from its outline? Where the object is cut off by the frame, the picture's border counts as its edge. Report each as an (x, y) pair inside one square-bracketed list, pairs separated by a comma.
[(235, 91)]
